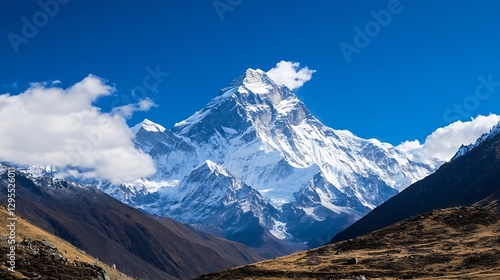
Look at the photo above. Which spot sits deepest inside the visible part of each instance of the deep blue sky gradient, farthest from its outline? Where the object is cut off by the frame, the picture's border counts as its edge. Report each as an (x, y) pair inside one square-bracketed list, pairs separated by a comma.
[(397, 88)]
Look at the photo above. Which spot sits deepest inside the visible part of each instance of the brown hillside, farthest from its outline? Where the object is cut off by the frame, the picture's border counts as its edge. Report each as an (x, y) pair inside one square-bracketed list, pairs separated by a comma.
[(35, 259), (455, 243)]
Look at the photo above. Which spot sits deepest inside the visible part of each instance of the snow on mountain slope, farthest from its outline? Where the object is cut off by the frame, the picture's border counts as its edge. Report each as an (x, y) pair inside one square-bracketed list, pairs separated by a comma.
[(214, 196), (467, 148), (260, 131), (261, 138)]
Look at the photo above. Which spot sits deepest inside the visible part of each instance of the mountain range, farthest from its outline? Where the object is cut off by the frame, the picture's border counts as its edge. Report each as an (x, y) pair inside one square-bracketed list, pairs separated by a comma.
[(255, 166), (445, 226)]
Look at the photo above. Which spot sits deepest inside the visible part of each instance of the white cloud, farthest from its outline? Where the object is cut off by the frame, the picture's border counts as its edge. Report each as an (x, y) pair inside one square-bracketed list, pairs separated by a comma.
[(290, 74), (443, 143), (47, 125), (128, 110)]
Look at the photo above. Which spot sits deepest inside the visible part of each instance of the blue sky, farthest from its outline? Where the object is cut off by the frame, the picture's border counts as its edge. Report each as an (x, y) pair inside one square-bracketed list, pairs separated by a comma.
[(400, 86)]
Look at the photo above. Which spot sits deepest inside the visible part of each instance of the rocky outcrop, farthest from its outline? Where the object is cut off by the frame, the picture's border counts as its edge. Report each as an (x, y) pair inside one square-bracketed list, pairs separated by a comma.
[(41, 259)]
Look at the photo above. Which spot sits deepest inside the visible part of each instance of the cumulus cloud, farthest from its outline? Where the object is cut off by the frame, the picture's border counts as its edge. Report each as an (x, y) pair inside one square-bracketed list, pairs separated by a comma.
[(443, 143), (48, 125), (290, 74)]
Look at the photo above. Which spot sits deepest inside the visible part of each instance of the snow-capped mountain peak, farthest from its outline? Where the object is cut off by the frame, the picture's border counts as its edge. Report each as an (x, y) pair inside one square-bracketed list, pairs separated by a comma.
[(148, 126), (257, 82), (253, 87), (250, 76), (251, 99), (256, 149)]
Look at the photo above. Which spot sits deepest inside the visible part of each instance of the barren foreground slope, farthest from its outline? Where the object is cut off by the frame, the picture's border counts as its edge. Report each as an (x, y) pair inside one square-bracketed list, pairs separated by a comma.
[(455, 243), (41, 255)]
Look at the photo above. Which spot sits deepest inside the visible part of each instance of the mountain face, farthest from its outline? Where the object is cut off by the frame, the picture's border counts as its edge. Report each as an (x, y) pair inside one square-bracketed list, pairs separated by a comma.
[(470, 179), (138, 244), (254, 165)]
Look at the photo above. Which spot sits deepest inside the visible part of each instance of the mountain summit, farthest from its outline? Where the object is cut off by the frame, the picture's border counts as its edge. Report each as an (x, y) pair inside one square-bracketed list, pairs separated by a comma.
[(261, 163)]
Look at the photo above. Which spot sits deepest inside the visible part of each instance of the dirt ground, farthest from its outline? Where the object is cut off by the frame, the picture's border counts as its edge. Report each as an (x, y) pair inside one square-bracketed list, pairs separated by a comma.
[(457, 243)]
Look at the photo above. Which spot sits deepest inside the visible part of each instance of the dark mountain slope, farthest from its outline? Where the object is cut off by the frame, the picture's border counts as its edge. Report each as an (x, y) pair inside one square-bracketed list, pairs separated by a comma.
[(138, 244), (466, 180), (41, 255)]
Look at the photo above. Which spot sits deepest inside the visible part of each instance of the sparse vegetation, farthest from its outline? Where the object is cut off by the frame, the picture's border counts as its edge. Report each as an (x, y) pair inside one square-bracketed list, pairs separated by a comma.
[(455, 243)]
